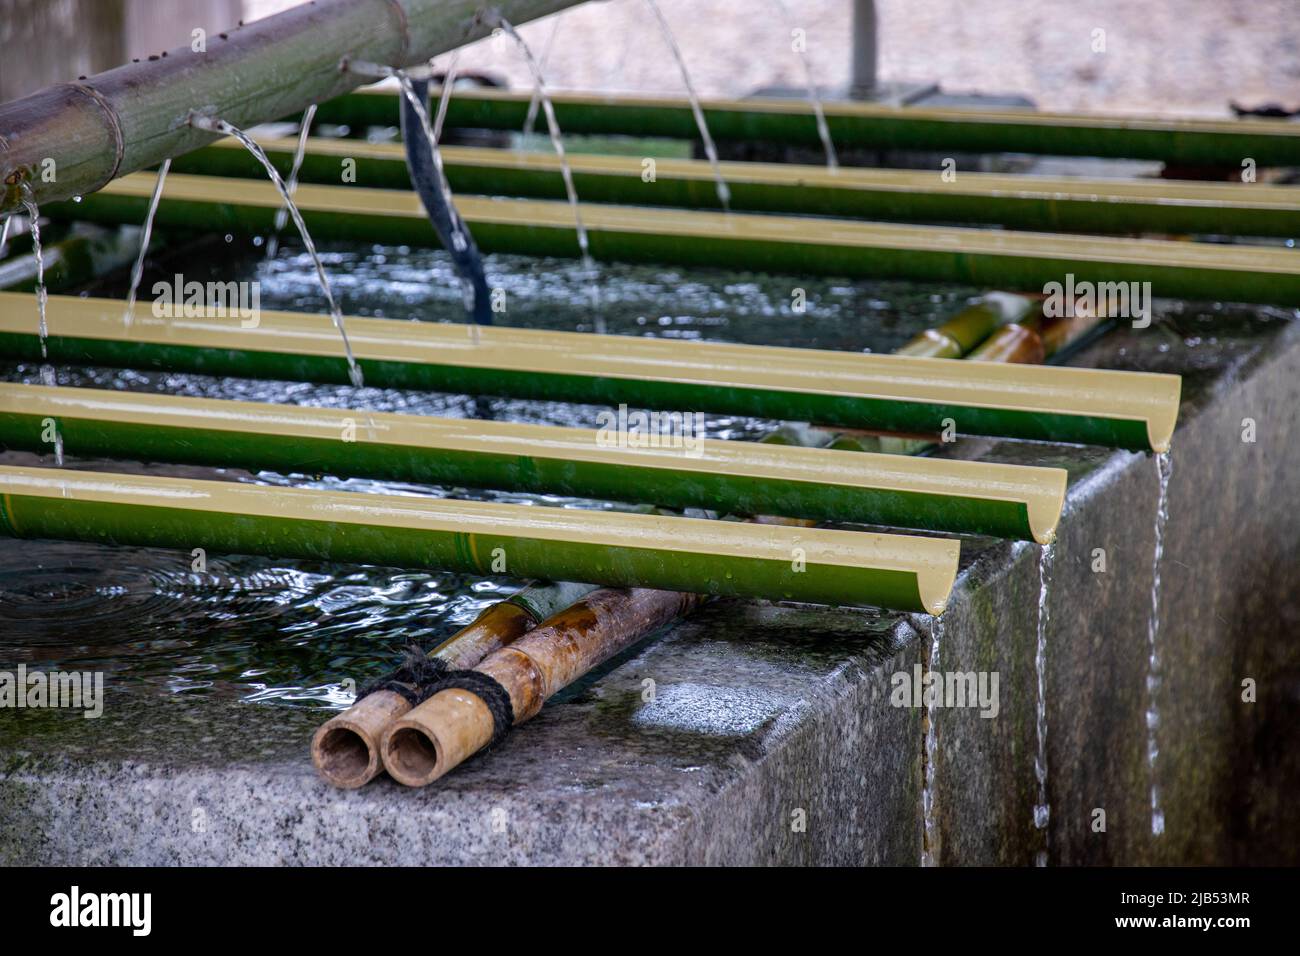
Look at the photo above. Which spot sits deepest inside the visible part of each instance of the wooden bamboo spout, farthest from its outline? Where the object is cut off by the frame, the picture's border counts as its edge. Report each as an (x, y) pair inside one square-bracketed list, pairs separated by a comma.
[(345, 749), (456, 723), (132, 117)]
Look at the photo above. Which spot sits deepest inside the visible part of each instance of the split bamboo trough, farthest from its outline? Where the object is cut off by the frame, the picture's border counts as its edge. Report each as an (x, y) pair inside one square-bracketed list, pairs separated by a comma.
[(1048, 203), (695, 555), (731, 477), (1025, 261), (347, 749), (862, 125), (1135, 410)]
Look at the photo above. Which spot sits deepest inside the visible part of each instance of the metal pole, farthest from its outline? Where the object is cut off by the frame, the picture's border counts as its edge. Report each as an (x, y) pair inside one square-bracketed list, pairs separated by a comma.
[(862, 82)]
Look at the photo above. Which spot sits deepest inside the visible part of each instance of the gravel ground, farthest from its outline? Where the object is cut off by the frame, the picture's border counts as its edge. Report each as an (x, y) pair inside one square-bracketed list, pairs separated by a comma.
[(1170, 56)]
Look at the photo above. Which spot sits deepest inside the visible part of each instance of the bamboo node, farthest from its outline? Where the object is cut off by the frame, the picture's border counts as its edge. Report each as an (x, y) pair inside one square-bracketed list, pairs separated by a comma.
[(114, 126), (403, 29)]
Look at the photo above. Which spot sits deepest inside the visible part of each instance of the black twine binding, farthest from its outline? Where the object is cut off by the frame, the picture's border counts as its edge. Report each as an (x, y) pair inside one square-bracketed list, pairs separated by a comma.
[(488, 689), (412, 678)]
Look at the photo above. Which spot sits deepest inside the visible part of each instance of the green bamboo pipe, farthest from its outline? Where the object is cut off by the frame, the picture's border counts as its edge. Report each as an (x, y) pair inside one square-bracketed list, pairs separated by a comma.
[(861, 125), (603, 547), (1022, 337), (726, 476), (1024, 261), (970, 326), (1049, 203), (132, 117), (1134, 410)]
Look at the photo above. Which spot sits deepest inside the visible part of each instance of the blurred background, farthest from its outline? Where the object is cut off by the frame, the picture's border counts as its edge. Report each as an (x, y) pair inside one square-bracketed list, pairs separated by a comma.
[(1187, 57)]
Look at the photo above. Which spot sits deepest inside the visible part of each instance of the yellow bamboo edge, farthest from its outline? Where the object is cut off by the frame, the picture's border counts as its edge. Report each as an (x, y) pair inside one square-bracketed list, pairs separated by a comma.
[(644, 220), (1146, 397), (994, 185), (933, 561), (1040, 490)]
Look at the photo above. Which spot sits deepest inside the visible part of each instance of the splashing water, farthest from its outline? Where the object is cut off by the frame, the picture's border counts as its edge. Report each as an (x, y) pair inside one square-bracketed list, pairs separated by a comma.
[(535, 102), (214, 125), (930, 844), (1042, 810), (42, 299), (710, 148), (1164, 468), (814, 97), (553, 128), (282, 214), (138, 269)]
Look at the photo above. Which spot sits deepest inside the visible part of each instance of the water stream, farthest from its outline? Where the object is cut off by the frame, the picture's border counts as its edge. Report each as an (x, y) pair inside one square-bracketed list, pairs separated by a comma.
[(138, 269), (710, 149), (435, 192), (221, 126), (535, 103), (930, 840), (444, 97), (1042, 810), (557, 142), (282, 214), (814, 97), (48, 376), (4, 236), (459, 238), (1164, 468)]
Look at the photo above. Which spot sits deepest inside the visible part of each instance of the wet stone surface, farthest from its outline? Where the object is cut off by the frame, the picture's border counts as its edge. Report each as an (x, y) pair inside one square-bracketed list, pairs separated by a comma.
[(748, 733)]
